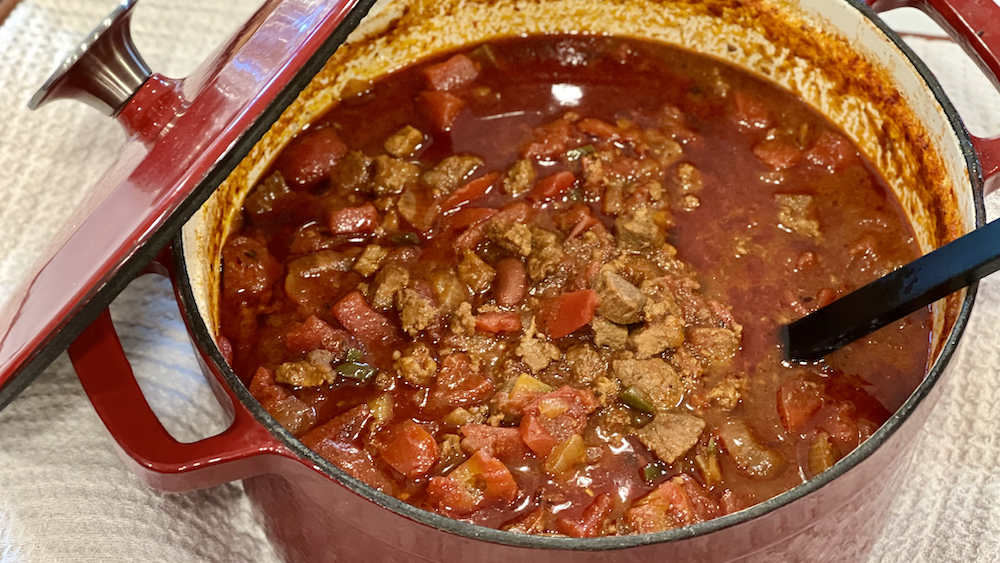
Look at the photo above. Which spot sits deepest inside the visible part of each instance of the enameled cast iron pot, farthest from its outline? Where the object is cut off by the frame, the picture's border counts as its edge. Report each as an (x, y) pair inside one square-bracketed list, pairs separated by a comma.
[(835, 54)]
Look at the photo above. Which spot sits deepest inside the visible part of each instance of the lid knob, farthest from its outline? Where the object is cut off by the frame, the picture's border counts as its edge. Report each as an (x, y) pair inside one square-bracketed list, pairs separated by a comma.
[(104, 72)]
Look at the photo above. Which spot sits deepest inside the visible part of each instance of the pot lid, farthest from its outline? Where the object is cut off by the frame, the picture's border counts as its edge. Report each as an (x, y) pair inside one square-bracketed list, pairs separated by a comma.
[(184, 137)]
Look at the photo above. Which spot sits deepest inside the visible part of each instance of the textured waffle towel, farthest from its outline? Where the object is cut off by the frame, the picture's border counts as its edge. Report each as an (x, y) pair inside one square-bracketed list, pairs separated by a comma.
[(65, 496)]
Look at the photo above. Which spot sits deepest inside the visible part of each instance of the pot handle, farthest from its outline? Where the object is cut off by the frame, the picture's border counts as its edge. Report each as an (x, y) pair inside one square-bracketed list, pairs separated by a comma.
[(243, 450), (975, 25)]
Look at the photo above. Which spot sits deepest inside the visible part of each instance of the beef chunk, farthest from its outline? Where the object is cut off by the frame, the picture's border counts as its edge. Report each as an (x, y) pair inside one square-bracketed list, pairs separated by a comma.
[(266, 196), (658, 336), (386, 284), (621, 302), (314, 371), (475, 272), (370, 260), (585, 363), (607, 333), (655, 379), (417, 312), (520, 178), (354, 171), (417, 367), (797, 214), (714, 345), (451, 172), (248, 271), (546, 254), (671, 435), (510, 236), (636, 230), (392, 175), (405, 142), (535, 351)]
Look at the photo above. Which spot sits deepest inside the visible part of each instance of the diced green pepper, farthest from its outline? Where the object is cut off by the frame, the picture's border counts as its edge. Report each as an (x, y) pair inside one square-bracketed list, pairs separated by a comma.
[(407, 238), (634, 398), (358, 372), (653, 471), (485, 52), (355, 355)]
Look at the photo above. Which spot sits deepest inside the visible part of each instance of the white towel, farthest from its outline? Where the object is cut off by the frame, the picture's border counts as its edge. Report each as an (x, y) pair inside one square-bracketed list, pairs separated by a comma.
[(64, 494)]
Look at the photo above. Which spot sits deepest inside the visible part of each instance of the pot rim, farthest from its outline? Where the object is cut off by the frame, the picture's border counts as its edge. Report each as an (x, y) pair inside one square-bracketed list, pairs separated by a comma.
[(204, 340)]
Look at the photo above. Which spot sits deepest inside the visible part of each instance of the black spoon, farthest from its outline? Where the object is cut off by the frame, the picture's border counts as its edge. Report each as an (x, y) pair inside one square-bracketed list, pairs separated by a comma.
[(925, 280)]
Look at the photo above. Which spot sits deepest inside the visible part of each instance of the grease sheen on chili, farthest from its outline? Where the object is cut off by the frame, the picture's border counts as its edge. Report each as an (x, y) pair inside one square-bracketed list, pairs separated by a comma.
[(535, 285)]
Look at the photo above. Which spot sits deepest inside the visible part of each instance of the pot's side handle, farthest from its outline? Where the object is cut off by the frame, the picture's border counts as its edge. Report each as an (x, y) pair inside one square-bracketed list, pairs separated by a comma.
[(243, 450), (975, 25)]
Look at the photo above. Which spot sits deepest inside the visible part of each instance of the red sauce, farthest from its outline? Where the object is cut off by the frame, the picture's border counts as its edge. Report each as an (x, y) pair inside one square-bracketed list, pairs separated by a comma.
[(572, 328)]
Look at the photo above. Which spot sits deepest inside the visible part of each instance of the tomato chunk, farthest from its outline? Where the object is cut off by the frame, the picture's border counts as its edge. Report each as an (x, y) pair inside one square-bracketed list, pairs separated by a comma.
[(480, 482), (498, 322), (440, 109), (554, 186), (832, 152), (749, 111), (409, 449), (504, 443), (469, 192), (798, 400), (458, 385), (779, 155), (563, 315), (353, 220), (336, 441), (680, 501), (591, 521), (315, 334), (553, 417), (452, 74), (310, 157), (374, 331)]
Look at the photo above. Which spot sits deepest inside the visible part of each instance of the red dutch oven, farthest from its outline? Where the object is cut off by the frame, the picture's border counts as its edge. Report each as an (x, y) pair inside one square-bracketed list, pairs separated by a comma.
[(197, 146)]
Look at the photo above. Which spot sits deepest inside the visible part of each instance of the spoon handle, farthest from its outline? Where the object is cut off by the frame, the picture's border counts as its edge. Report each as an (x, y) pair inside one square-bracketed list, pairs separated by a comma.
[(955, 265)]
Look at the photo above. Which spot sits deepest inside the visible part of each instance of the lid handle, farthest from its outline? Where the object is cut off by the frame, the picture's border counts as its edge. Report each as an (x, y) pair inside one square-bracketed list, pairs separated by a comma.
[(104, 72)]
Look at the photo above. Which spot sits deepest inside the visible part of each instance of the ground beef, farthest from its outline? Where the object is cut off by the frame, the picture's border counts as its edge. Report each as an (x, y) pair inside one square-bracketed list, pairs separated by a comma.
[(392, 175), (451, 172), (714, 345), (405, 142), (417, 312), (417, 367), (520, 178), (370, 260), (510, 236), (535, 350), (314, 371), (797, 214), (585, 364), (546, 254)]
